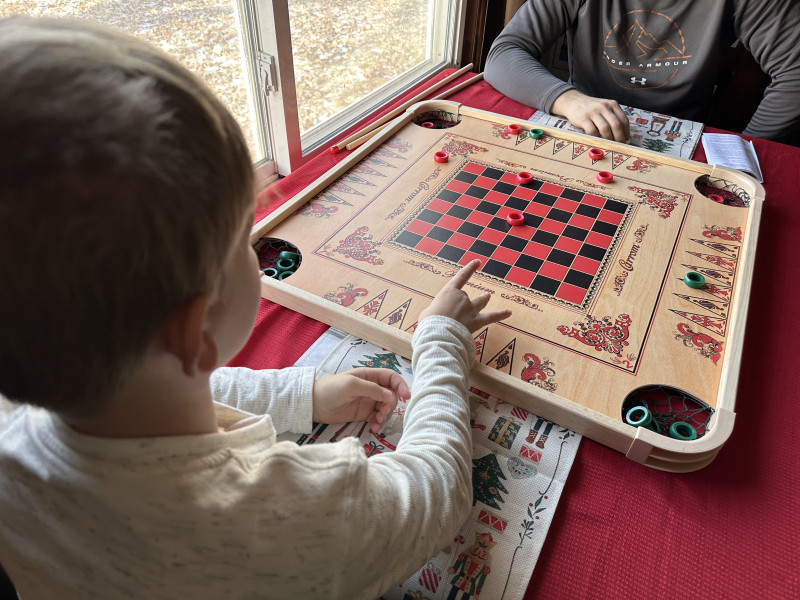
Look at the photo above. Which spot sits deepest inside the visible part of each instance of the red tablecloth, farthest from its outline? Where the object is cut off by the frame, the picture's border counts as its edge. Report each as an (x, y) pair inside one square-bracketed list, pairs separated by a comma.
[(626, 531)]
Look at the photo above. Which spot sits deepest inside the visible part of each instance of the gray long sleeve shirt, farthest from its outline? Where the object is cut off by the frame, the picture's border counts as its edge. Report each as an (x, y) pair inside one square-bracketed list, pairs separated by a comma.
[(662, 55)]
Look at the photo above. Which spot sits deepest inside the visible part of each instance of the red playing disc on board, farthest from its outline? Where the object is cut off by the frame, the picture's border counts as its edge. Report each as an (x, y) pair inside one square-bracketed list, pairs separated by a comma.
[(596, 154), (524, 177), (605, 177), (514, 129), (515, 218), (428, 125), (441, 156)]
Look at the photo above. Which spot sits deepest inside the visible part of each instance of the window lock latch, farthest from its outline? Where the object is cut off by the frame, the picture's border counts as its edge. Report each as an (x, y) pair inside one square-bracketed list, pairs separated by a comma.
[(266, 72)]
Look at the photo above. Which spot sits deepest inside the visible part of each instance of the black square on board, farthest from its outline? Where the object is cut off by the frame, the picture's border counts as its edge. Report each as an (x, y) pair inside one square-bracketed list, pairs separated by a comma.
[(440, 234), (588, 211), (574, 233), (545, 285), (546, 199), (614, 206), (476, 192), (560, 257), (450, 253), (449, 196), (604, 228), (429, 216), (496, 268), (470, 229), (490, 208), (408, 239), (593, 252), (482, 248), (533, 220), (516, 203), (514, 242), (499, 224), (493, 173), (529, 263), (504, 188), (466, 177), (556, 214), (572, 195), (576, 278), (459, 212), (545, 237)]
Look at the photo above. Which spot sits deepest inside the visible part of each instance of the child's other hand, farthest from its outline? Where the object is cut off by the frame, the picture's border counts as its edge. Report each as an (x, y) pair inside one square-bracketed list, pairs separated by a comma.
[(453, 302), (362, 394)]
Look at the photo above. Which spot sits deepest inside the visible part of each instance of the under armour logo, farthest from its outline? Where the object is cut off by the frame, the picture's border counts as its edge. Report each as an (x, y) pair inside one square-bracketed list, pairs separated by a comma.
[(642, 80)]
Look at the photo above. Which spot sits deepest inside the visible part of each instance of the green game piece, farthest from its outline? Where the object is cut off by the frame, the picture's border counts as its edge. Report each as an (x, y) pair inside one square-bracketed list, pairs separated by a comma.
[(536, 133), (694, 280), (270, 272), (284, 274), (290, 255), (640, 416), (285, 264), (682, 431)]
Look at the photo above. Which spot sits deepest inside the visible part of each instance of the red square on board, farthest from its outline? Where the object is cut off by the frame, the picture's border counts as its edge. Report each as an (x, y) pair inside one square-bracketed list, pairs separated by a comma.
[(598, 239), (474, 168), (568, 245), (509, 178), (556, 227), (459, 240), (567, 205), (571, 293), (537, 250), (523, 192), (429, 246), (496, 197), (551, 188), (439, 206), (469, 202), (470, 256), (450, 223), (419, 227), (507, 256), (522, 231), (520, 276), (485, 182), (585, 265), (457, 186), (581, 221), (492, 236), (593, 200), (554, 271), (479, 218), (610, 216), (537, 209)]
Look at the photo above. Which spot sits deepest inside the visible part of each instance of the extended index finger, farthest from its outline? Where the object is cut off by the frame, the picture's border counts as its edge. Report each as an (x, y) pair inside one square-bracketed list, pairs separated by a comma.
[(460, 278)]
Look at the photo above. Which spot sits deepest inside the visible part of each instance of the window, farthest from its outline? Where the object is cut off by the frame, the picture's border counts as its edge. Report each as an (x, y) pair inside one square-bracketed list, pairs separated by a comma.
[(293, 72)]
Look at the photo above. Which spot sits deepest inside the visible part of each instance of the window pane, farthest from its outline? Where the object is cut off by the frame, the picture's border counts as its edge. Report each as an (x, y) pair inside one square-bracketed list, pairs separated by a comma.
[(204, 35), (344, 50)]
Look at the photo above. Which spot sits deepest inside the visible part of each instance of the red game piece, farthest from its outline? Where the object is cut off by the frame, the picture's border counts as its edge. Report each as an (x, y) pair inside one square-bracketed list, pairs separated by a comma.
[(515, 218), (441, 156), (524, 177), (334, 149), (605, 177), (514, 129), (596, 154), (428, 125), (717, 198)]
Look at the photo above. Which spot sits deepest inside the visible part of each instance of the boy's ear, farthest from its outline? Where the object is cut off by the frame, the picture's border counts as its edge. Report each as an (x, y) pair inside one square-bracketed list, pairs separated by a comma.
[(184, 335)]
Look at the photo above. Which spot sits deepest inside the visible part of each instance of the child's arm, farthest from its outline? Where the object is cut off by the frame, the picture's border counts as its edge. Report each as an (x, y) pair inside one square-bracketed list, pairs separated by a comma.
[(412, 501)]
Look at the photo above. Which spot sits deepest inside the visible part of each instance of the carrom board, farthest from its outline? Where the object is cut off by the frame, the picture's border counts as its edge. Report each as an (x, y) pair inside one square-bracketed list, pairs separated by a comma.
[(602, 319)]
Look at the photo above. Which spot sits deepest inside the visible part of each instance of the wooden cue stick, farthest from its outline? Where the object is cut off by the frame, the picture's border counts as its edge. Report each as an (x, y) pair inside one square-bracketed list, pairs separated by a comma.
[(357, 142), (400, 108)]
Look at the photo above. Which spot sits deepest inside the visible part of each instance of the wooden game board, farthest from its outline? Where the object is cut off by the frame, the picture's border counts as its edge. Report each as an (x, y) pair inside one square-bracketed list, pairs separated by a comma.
[(602, 318)]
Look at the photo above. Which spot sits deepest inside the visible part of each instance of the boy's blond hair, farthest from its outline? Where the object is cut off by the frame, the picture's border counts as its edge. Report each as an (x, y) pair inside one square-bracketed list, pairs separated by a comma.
[(122, 183)]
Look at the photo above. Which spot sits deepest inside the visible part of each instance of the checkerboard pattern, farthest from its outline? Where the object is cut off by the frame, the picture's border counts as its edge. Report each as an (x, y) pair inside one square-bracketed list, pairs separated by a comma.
[(558, 251)]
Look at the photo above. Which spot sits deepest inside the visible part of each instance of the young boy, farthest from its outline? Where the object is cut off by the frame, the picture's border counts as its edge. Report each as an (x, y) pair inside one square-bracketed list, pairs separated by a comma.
[(127, 280)]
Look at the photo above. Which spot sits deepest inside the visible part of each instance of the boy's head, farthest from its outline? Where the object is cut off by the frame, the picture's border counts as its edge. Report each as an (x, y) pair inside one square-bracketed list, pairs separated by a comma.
[(123, 182)]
